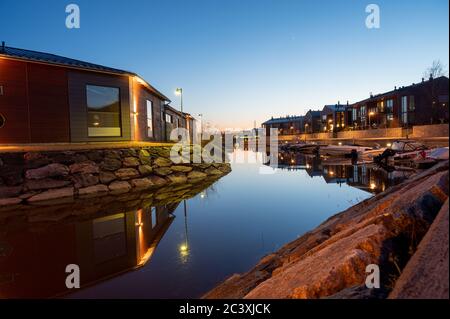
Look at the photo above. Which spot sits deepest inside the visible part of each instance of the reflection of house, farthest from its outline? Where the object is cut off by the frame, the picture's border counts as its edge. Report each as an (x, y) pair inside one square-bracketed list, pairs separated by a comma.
[(367, 178), (46, 98), (102, 248)]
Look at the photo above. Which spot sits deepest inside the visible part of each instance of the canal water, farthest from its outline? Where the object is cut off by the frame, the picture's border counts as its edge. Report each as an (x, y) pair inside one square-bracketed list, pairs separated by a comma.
[(183, 249)]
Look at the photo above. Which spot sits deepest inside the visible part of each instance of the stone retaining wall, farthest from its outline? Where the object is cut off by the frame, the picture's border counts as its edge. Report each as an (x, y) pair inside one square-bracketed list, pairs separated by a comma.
[(40, 178), (439, 130)]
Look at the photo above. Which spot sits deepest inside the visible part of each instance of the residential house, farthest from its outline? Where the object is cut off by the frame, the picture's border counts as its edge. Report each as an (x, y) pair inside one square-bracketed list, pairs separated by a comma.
[(418, 104), (312, 122), (333, 117), (46, 98), (288, 125)]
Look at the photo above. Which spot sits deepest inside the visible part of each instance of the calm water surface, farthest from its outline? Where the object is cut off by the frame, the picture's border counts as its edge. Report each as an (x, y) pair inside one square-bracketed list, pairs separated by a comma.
[(186, 248)]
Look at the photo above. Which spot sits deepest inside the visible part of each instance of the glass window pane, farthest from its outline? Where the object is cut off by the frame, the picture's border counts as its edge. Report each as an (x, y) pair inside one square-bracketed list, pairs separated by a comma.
[(149, 118), (103, 105)]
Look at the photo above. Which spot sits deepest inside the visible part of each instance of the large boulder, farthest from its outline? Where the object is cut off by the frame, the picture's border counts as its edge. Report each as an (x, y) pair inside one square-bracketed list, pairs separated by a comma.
[(177, 178), (145, 170), (426, 276), (107, 177), (87, 167), (111, 164), (51, 170), (162, 171), (127, 173), (119, 187), (130, 162), (162, 162)]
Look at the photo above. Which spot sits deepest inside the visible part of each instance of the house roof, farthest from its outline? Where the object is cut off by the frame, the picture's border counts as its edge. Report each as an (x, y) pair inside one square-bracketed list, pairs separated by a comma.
[(48, 58), (334, 108), (313, 113), (171, 108), (283, 120), (400, 89)]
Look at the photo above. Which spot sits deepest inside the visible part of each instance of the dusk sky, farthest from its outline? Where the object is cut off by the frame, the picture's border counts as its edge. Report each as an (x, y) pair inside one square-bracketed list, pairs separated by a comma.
[(243, 61)]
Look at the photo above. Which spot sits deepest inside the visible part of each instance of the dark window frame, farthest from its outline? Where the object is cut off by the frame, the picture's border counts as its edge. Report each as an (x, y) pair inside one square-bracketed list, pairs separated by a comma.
[(87, 109)]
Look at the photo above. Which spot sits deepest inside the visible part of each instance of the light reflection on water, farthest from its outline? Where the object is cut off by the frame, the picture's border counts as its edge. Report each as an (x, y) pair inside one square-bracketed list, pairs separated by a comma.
[(182, 249)]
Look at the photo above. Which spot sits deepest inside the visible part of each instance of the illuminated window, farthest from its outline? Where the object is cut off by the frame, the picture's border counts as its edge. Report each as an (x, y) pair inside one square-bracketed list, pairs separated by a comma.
[(154, 217), (103, 110), (149, 118)]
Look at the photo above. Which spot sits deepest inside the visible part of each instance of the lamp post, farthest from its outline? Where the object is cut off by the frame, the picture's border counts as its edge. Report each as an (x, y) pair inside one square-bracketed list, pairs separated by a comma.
[(179, 91)]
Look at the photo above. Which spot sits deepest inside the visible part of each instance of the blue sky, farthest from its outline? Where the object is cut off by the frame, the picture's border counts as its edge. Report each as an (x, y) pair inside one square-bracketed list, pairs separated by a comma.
[(240, 61)]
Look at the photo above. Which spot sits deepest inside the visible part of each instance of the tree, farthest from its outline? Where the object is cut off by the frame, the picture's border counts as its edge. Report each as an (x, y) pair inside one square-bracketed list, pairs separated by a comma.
[(436, 70)]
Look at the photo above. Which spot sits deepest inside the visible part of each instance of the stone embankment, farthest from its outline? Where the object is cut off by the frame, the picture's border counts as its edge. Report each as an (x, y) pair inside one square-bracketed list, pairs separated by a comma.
[(43, 178), (387, 230)]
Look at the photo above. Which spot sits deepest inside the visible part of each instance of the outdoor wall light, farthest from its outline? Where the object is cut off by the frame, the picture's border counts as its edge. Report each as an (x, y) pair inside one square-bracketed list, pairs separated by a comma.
[(2, 120)]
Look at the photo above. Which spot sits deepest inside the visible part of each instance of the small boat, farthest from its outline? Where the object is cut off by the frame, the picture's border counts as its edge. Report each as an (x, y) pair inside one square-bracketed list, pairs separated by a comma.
[(307, 148), (369, 156), (343, 150)]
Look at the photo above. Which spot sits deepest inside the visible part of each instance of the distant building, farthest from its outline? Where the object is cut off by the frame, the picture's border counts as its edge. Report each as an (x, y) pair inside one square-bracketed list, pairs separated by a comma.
[(333, 117), (417, 104), (288, 125), (312, 122)]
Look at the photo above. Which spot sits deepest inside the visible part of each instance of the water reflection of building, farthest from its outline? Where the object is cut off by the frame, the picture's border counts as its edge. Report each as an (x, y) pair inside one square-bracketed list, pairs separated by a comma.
[(102, 247), (369, 178)]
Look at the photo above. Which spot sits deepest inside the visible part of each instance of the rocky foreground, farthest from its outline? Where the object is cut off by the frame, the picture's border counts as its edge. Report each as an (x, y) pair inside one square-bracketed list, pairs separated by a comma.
[(403, 230)]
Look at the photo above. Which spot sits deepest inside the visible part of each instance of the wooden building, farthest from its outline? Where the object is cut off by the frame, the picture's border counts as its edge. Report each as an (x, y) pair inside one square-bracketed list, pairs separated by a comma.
[(46, 98)]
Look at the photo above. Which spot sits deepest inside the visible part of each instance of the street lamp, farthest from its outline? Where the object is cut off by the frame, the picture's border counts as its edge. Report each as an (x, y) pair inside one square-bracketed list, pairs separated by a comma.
[(179, 91)]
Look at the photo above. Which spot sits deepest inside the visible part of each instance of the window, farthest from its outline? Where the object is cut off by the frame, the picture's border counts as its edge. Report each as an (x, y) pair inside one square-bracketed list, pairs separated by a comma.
[(363, 110), (390, 106), (354, 114), (380, 106), (154, 218), (149, 118), (103, 105), (168, 118), (412, 103), (404, 110)]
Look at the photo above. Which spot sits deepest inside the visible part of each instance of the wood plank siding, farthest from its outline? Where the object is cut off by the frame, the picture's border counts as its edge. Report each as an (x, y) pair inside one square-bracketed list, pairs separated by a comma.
[(48, 104), (34, 103), (13, 102)]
